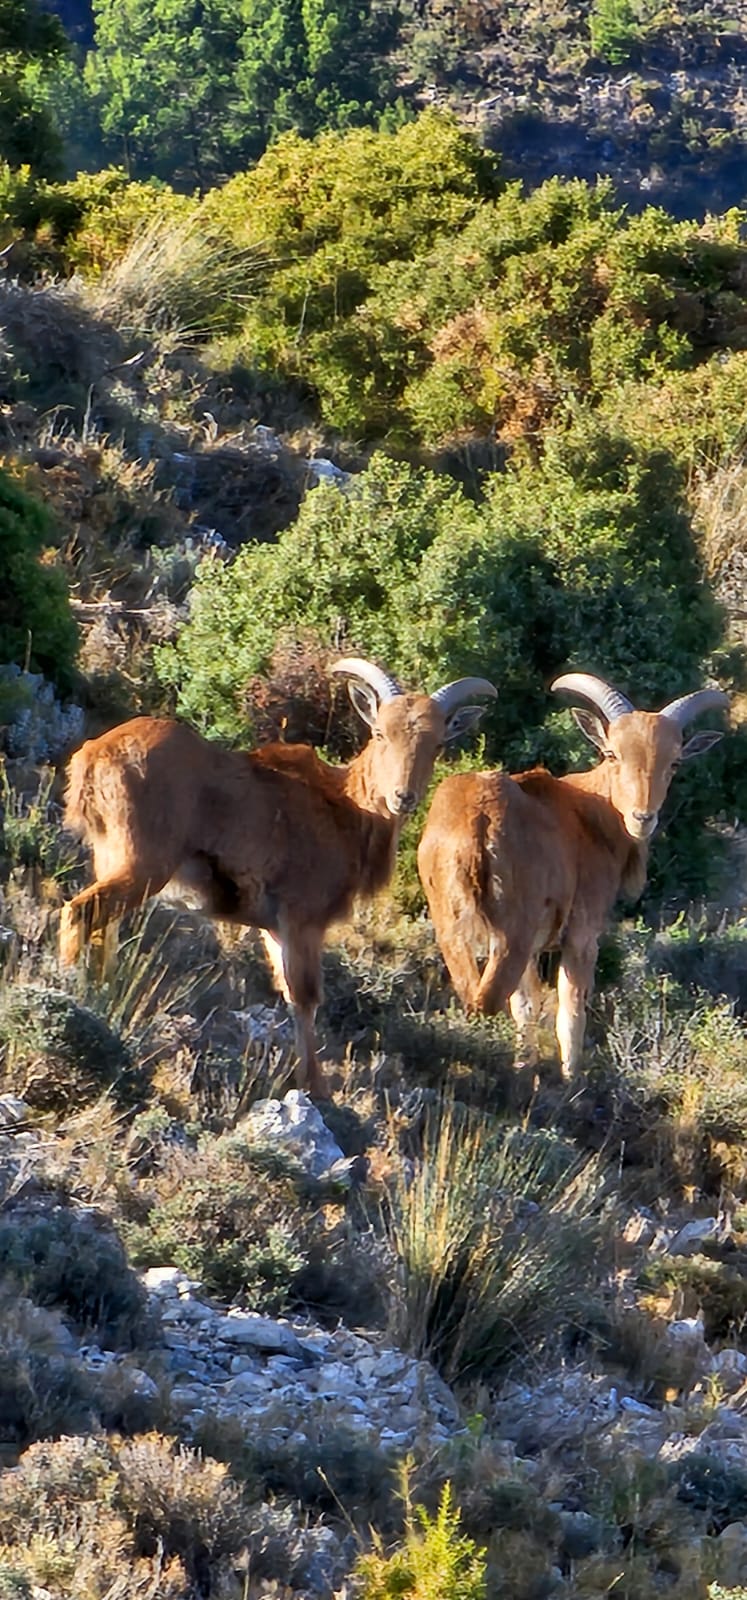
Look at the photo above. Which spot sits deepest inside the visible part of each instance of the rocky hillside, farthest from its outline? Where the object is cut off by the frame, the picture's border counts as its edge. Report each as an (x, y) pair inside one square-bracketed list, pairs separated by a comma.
[(654, 98)]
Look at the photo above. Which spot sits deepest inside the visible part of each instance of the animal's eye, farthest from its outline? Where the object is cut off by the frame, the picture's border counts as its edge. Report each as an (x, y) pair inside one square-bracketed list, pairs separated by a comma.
[(377, 733), (609, 755)]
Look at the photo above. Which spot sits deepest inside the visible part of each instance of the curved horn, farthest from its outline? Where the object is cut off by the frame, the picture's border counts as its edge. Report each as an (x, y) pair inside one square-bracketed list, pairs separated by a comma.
[(609, 701), (690, 706), (384, 686), (456, 693)]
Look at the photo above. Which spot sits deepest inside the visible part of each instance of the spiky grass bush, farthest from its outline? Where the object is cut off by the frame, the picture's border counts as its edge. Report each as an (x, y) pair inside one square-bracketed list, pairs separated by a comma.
[(494, 1231), (177, 282), (435, 1562)]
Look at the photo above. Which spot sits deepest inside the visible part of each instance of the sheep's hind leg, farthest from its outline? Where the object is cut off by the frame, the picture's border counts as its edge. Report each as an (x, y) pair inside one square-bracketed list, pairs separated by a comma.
[(85, 918), (524, 1005)]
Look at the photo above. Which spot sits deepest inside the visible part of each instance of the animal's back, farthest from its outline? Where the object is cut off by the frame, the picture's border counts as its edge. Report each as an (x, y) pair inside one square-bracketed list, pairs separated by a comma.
[(116, 781)]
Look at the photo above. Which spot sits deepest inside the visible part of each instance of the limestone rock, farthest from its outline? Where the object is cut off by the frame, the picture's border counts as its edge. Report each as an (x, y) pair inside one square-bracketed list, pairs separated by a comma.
[(294, 1124)]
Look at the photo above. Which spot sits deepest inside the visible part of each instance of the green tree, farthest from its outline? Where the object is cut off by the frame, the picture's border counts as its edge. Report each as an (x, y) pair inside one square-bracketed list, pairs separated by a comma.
[(587, 555), (163, 77), (31, 41), (197, 90), (35, 619), (311, 64), (615, 30)]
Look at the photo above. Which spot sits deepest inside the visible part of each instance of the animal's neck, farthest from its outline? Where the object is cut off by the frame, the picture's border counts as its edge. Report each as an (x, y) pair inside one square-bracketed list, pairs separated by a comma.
[(632, 854), (359, 786), (379, 829)]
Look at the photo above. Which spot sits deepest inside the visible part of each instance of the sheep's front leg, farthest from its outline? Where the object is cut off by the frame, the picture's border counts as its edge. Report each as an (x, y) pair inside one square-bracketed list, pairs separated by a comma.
[(575, 983)]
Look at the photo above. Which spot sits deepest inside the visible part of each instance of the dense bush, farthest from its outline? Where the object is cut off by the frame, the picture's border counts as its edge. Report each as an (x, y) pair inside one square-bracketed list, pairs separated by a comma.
[(586, 558), (91, 1516), (57, 1053), (36, 626), (73, 1261), (224, 1216), (43, 1388)]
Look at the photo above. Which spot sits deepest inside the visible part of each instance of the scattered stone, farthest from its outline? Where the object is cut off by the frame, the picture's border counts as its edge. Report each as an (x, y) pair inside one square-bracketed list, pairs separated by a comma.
[(295, 1125), (262, 1333), (640, 1227), (13, 1111), (731, 1554), (690, 1237)]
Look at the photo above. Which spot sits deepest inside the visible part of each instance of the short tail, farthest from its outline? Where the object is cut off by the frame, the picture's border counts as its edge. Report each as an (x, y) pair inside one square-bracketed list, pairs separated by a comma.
[(81, 811)]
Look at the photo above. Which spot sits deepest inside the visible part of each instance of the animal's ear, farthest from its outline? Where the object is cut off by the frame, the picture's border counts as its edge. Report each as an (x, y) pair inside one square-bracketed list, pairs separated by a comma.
[(593, 727), (699, 743), (364, 700), (462, 721)]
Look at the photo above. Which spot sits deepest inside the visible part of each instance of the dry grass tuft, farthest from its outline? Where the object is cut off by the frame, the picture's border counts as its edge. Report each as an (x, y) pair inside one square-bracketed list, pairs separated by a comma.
[(177, 284)]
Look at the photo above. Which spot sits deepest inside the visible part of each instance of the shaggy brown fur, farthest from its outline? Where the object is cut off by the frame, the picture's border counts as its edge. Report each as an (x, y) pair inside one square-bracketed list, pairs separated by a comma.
[(276, 838), (517, 865)]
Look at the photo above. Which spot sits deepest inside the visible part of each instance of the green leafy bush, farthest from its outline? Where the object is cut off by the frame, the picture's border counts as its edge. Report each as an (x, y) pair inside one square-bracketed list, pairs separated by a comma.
[(436, 1559), (230, 1218), (587, 557), (36, 626)]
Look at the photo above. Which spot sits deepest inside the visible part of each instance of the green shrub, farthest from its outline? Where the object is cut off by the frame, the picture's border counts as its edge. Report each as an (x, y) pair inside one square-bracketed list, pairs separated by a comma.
[(58, 1054), (43, 1388), (36, 626), (73, 1261), (436, 1560), (615, 30), (230, 1218), (588, 557)]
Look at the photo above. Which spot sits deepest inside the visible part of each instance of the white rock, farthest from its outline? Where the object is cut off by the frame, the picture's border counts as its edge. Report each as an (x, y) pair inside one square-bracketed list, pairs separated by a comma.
[(640, 1227), (294, 1124), (636, 1408), (688, 1330), (389, 1365), (187, 1311), (731, 1554), (262, 1333), (13, 1110), (692, 1234), (246, 1383), (163, 1280), (730, 1361), (187, 1394)]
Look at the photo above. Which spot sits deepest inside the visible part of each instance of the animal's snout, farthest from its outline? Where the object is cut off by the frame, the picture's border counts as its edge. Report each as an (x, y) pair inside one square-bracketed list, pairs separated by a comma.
[(406, 800), (644, 817)]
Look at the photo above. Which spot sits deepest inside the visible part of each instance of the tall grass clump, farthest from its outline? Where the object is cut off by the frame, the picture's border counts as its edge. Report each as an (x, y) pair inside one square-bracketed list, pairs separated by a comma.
[(179, 282), (494, 1230)]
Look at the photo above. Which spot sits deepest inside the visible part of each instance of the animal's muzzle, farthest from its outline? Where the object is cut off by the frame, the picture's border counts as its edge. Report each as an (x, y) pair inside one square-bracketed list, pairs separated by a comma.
[(405, 802), (642, 824)]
